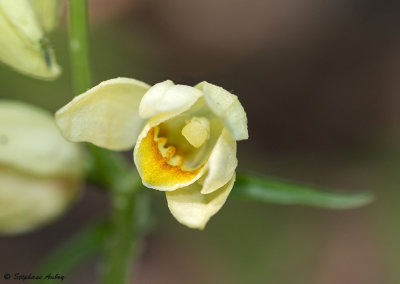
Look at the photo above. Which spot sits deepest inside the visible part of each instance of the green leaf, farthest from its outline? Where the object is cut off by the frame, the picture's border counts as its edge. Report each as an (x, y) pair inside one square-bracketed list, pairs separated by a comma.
[(276, 191), (74, 251)]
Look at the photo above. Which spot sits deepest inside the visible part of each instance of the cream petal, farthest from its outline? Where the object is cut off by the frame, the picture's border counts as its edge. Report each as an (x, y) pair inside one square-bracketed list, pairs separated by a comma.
[(20, 14), (193, 209), (221, 164), (31, 142), (23, 44), (47, 12), (106, 115), (165, 97), (227, 107)]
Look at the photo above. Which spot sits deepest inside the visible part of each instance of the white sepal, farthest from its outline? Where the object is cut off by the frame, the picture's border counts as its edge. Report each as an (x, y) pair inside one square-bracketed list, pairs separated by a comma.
[(193, 209), (106, 115)]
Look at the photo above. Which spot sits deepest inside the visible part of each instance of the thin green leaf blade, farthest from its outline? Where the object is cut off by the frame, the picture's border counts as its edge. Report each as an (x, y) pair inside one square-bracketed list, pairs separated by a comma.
[(286, 193)]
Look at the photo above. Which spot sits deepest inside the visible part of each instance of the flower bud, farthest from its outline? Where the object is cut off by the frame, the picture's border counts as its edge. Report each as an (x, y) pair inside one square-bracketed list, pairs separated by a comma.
[(40, 172), (48, 13), (23, 45)]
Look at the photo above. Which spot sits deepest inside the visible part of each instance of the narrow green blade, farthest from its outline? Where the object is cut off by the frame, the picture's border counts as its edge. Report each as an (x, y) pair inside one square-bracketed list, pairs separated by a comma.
[(276, 191)]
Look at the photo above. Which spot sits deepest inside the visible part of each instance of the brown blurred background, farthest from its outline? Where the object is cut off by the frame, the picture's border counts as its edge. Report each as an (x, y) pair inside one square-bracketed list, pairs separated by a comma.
[(320, 83)]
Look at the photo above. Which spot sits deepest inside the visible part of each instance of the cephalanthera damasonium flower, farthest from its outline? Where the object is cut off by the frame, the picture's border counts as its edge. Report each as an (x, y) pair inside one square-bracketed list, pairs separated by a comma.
[(185, 138), (23, 44), (40, 172)]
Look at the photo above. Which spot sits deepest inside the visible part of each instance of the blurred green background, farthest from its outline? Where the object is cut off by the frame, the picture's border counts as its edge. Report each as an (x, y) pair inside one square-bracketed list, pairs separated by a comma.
[(319, 81)]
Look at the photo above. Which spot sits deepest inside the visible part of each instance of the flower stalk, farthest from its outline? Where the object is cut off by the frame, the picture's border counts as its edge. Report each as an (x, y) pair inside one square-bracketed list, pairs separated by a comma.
[(78, 45), (109, 170)]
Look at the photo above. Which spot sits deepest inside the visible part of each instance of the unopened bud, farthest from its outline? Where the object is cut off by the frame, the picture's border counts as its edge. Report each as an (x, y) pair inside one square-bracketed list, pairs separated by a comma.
[(40, 172), (23, 45)]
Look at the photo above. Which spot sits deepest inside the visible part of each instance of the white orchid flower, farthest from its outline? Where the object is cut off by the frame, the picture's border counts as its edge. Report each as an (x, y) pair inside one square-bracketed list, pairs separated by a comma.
[(40, 172), (23, 44), (185, 138)]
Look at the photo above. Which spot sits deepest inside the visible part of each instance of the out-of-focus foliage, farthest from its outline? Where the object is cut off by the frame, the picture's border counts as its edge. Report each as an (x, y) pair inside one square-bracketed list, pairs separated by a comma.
[(78, 248)]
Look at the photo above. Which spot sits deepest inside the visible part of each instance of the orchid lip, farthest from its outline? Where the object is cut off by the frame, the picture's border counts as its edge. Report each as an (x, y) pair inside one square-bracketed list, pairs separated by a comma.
[(163, 167)]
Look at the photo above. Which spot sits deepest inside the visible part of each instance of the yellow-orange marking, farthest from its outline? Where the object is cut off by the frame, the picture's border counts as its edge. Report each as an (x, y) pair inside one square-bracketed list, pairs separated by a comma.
[(156, 169)]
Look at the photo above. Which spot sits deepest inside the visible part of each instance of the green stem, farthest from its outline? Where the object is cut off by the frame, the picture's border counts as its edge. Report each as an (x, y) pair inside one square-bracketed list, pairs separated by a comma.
[(78, 45), (109, 169), (124, 240)]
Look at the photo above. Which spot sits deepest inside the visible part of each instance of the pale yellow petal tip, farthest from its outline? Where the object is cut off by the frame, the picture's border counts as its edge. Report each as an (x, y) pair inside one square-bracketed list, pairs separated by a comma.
[(41, 64), (158, 166), (166, 97), (197, 221), (52, 75), (193, 209), (152, 97), (227, 107), (193, 224)]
